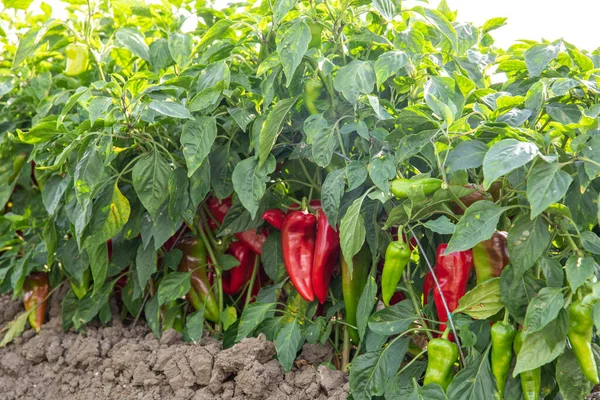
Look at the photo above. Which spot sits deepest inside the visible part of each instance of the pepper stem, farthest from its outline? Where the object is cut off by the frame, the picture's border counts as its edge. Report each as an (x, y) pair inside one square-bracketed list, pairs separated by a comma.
[(252, 280), (446, 333), (505, 316)]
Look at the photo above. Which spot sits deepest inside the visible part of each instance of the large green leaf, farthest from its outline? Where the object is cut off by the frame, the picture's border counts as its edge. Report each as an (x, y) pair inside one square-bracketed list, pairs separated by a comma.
[(151, 180)]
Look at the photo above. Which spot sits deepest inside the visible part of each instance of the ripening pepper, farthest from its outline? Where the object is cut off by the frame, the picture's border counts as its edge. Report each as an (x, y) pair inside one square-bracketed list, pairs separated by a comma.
[(531, 381), (452, 272), (397, 255), (353, 286), (35, 292), (251, 238), (312, 91), (327, 255), (194, 260), (235, 278), (581, 325), (490, 257), (298, 248), (478, 194), (503, 334), (442, 354), (274, 217), (77, 59), (401, 187)]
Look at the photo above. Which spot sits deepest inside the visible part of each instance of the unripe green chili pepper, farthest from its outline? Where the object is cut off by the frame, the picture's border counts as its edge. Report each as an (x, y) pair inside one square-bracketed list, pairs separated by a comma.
[(581, 326), (397, 255), (503, 335), (401, 187), (531, 381), (315, 35), (491, 256), (312, 92), (353, 286), (77, 59), (442, 353)]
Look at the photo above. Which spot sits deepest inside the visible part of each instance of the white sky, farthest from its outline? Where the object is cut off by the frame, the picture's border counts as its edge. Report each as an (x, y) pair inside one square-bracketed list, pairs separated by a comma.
[(576, 21)]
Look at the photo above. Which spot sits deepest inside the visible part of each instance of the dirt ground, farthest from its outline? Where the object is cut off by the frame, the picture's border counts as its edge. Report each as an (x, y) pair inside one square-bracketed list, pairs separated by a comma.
[(119, 362)]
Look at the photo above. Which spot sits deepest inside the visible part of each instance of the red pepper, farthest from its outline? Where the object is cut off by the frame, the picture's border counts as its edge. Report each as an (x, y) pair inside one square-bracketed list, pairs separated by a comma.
[(327, 254), (235, 278), (298, 248), (397, 298), (35, 292), (452, 272), (274, 217), (251, 238)]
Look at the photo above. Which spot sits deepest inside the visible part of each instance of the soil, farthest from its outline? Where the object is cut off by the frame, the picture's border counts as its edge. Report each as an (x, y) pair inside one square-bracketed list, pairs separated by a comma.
[(123, 362)]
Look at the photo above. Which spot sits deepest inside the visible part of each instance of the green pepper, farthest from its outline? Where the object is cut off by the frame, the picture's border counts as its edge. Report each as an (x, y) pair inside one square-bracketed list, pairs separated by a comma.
[(503, 335), (401, 187), (442, 354), (194, 260), (81, 288), (312, 91), (353, 286), (315, 35), (396, 258), (490, 257), (581, 325), (531, 381), (77, 59)]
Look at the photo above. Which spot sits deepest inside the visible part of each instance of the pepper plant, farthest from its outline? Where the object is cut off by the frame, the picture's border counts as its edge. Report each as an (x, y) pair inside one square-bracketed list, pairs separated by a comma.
[(281, 167)]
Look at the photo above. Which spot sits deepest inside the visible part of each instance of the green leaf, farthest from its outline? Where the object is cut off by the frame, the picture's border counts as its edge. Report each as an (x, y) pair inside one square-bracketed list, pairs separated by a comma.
[(14, 328), (538, 57), (150, 181), (27, 44), (90, 306), (228, 316), (579, 270), (178, 193), (197, 139), (180, 47), (40, 133), (292, 44), (371, 371), (253, 315), (70, 103), (476, 225), (564, 113), (444, 97), (465, 155), (381, 171), (553, 272), (332, 192), (352, 231), (110, 214), (543, 309), (393, 319), (250, 181), (366, 302), (272, 127), (527, 241), (133, 41), (98, 256), (173, 286), (386, 8), (441, 225), (546, 184), (590, 242), (287, 344), (475, 381), (388, 64), (444, 26), (321, 135), (272, 257), (145, 264), (218, 30), (542, 347), (53, 192), (194, 324), (152, 313), (98, 107), (483, 301), (281, 8), (355, 79), (571, 381), (170, 109), (410, 145), (506, 156)]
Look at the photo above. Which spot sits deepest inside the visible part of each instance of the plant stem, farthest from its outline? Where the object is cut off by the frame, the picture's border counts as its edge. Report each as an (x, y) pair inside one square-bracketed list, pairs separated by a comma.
[(346, 349), (252, 279)]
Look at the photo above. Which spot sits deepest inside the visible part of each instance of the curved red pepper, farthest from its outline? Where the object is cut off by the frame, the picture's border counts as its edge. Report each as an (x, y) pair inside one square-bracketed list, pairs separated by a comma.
[(235, 278), (327, 254), (274, 217), (251, 238), (452, 272), (298, 248)]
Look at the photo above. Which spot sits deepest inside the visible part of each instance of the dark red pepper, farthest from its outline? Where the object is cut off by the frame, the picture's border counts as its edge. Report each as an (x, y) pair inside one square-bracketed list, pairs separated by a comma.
[(218, 210), (327, 255), (452, 272), (274, 217), (298, 247), (235, 278)]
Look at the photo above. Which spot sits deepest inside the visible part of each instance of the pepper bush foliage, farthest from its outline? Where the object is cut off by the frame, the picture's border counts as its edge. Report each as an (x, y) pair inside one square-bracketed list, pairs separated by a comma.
[(130, 149)]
